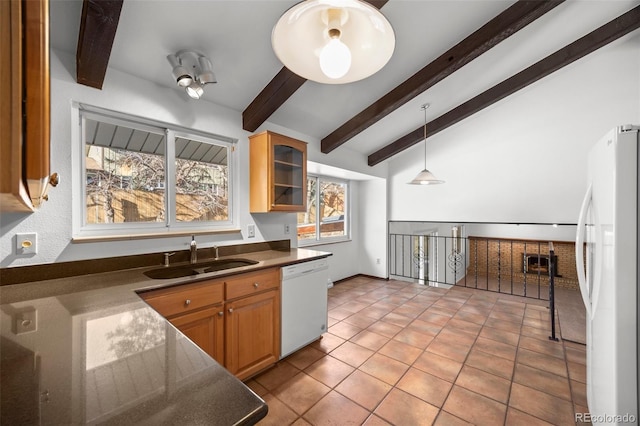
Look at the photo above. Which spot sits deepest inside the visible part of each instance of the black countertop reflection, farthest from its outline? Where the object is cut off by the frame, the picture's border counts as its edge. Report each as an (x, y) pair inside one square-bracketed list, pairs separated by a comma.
[(88, 350)]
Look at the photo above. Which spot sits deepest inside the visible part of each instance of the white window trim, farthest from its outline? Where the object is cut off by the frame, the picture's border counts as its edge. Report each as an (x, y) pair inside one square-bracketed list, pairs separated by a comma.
[(347, 217), (126, 231)]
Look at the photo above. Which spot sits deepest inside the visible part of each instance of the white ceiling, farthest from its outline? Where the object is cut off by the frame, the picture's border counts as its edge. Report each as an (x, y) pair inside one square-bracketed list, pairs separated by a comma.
[(236, 36)]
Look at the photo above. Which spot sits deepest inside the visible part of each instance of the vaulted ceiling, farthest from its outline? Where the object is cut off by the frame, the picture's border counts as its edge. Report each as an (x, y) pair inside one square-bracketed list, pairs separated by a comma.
[(459, 56)]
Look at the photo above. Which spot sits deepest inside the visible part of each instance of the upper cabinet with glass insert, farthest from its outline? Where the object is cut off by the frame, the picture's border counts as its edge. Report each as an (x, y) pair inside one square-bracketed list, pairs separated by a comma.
[(278, 173)]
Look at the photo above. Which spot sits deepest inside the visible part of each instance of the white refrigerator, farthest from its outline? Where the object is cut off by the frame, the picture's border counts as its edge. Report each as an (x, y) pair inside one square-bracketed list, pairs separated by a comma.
[(607, 262)]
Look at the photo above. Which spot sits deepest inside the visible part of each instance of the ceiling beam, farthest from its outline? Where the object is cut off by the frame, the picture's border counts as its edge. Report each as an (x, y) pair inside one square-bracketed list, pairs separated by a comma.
[(98, 26), (602, 36), (489, 35), (277, 91)]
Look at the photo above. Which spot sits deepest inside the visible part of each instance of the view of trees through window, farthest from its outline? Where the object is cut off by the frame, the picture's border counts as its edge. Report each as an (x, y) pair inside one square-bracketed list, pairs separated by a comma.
[(126, 177), (325, 217)]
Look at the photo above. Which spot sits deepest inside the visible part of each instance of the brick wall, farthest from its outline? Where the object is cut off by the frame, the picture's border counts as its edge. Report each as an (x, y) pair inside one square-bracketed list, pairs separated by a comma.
[(502, 258)]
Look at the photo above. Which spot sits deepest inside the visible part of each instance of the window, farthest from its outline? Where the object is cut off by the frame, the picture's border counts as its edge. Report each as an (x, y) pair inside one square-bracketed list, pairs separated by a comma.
[(327, 216), (146, 178)]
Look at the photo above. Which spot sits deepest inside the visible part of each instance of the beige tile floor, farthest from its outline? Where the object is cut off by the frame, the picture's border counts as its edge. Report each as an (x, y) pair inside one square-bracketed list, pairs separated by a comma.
[(403, 354)]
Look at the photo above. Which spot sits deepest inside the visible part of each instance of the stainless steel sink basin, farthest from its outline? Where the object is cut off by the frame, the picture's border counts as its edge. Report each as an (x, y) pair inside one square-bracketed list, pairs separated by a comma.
[(198, 268), (171, 272)]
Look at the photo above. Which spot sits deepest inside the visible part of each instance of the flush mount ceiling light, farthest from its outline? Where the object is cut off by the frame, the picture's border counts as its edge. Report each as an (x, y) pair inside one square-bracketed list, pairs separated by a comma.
[(333, 41), (192, 71), (425, 177)]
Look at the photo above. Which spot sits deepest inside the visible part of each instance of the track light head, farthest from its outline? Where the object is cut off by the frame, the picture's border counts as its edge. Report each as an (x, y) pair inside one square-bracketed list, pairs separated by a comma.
[(206, 75), (192, 71), (180, 73), (195, 90)]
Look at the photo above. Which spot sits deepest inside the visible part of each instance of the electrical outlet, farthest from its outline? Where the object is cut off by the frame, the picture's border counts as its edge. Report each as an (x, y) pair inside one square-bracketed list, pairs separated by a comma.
[(25, 321), (286, 228), (27, 243), (377, 261), (251, 231)]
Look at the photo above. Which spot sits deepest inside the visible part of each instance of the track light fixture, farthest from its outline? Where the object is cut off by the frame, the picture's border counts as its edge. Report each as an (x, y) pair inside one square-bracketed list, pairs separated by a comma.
[(191, 70)]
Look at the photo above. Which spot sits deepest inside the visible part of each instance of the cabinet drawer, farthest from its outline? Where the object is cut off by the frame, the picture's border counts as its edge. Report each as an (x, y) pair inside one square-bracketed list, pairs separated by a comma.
[(185, 298), (253, 282)]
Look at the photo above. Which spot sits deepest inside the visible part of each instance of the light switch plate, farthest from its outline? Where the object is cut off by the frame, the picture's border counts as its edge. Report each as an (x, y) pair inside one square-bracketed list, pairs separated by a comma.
[(27, 243), (251, 231)]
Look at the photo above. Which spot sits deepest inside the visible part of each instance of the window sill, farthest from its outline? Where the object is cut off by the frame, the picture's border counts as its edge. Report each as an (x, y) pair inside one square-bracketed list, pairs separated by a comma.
[(323, 243), (142, 236)]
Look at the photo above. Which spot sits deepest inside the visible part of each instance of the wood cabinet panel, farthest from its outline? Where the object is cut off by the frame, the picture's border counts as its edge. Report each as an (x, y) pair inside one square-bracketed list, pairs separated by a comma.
[(251, 283), (252, 333), (25, 106), (186, 298), (277, 173), (205, 328)]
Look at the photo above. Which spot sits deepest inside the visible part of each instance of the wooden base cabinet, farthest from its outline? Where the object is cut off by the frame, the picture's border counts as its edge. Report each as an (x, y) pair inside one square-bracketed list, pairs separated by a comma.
[(205, 328), (197, 311), (252, 333), (236, 320)]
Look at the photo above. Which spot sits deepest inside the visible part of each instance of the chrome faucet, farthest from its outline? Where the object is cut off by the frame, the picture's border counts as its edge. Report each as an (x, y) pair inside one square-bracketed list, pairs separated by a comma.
[(215, 249), (194, 249), (166, 258)]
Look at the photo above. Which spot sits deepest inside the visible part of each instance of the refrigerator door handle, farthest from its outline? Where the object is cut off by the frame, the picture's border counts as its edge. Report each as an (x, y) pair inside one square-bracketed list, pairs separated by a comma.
[(580, 264)]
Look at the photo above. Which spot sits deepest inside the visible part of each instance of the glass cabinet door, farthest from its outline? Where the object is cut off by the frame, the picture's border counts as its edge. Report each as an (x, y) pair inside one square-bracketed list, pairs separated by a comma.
[(277, 173), (288, 176)]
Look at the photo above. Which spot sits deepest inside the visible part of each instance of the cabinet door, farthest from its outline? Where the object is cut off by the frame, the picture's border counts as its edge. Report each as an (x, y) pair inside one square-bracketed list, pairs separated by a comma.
[(288, 191), (24, 117), (252, 339), (277, 173), (205, 328)]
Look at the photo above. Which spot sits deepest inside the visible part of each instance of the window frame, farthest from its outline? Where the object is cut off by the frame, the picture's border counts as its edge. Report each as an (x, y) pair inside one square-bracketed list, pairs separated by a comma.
[(170, 226), (319, 240)]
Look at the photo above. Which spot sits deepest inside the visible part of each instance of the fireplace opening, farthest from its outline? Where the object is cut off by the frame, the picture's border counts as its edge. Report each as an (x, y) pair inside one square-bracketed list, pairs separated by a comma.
[(539, 263)]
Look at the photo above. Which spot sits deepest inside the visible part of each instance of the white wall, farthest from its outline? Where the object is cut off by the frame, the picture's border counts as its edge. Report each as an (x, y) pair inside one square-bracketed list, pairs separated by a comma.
[(373, 224), (524, 158), (131, 95)]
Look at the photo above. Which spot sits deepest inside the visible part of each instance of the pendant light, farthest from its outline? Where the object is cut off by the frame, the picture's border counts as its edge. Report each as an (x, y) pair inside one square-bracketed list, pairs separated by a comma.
[(333, 41), (425, 177)]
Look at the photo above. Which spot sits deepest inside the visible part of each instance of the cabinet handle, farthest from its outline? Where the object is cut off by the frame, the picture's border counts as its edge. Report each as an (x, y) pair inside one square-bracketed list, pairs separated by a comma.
[(221, 313), (230, 310), (54, 179), (187, 302), (255, 285)]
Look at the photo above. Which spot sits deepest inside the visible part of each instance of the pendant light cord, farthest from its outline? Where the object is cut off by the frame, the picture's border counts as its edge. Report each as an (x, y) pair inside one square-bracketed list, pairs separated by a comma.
[(424, 108)]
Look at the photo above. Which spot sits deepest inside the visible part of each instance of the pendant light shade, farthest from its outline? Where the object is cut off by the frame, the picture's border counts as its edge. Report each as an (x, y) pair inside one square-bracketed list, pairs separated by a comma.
[(333, 41), (425, 177)]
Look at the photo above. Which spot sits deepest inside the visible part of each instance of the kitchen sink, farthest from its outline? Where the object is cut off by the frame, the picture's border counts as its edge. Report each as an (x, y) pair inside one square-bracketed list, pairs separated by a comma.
[(219, 265), (198, 268)]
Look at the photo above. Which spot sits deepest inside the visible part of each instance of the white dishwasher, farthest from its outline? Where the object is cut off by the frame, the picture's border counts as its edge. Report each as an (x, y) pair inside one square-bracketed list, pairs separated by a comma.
[(304, 304)]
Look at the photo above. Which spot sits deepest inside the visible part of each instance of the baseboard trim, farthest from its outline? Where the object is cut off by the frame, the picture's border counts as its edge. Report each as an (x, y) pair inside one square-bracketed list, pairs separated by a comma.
[(360, 276)]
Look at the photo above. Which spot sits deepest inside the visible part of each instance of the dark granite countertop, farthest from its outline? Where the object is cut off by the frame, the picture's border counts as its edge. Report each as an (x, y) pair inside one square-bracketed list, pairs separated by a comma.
[(99, 354)]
